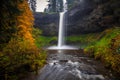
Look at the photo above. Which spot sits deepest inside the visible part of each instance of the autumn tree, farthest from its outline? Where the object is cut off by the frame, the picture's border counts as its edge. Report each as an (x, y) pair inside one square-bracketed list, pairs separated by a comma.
[(32, 4), (25, 21), (18, 52)]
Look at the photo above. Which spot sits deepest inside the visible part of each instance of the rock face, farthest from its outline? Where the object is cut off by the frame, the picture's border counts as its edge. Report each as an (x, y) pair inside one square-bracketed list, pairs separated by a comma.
[(78, 18), (87, 16), (48, 23), (93, 16)]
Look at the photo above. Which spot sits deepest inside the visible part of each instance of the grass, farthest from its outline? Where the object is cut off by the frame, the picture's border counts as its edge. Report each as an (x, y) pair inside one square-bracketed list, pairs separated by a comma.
[(84, 40), (42, 41)]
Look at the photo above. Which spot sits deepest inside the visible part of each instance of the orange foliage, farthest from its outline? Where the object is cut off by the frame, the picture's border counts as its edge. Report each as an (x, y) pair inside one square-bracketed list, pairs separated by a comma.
[(25, 21), (18, 53)]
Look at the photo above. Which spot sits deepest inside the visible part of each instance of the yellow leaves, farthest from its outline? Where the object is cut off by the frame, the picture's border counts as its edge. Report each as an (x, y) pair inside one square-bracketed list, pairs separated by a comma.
[(29, 37), (25, 33), (90, 51), (24, 19), (25, 22), (113, 61), (115, 45), (20, 46), (116, 63)]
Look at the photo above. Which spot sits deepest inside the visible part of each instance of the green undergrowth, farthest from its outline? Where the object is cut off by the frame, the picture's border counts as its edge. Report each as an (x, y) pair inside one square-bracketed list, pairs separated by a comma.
[(42, 41), (20, 58), (84, 40), (106, 48)]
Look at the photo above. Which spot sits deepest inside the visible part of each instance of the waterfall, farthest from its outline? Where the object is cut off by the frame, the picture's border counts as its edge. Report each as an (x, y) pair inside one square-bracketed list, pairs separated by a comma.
[(61, 30), (61, 36)]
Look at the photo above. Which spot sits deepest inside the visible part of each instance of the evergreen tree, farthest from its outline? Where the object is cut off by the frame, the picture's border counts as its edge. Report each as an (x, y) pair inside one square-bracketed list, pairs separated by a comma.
[(32, 4)]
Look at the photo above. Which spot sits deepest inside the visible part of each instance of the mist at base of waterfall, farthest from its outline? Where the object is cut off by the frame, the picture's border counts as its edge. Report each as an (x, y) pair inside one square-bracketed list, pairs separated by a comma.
[(64, 47)]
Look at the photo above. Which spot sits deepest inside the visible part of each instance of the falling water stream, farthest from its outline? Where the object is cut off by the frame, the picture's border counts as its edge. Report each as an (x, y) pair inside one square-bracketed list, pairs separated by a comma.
[(61, 30)]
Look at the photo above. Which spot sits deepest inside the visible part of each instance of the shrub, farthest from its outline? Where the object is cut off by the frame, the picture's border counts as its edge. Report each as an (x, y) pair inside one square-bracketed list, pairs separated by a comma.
[(19, 57), (107, 49)]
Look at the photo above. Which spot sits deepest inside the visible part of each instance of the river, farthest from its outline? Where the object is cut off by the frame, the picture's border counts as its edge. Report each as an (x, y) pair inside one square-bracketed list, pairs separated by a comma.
[(72, 65)]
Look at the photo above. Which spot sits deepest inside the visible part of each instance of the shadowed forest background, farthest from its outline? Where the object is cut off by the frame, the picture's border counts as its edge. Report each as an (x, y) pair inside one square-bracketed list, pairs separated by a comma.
[(94, 26)]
